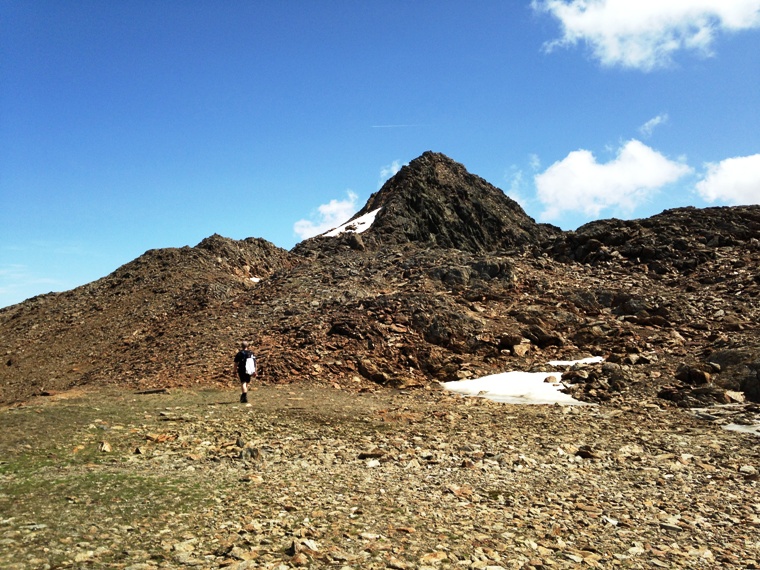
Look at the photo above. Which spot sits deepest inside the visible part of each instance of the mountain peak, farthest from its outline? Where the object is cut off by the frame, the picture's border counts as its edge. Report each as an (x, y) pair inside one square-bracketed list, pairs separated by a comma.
[(434, 200)]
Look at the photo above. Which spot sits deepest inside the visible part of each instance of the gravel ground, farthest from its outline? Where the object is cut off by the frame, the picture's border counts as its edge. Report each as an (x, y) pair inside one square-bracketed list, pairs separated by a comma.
[(327, 478)]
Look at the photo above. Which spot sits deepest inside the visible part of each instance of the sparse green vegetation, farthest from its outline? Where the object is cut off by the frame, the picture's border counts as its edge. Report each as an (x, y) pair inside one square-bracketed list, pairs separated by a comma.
[(321, 478)]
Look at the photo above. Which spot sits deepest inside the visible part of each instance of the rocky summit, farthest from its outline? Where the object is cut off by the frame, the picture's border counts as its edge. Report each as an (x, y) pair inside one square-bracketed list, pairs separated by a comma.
[(434, 201), (452, 280)]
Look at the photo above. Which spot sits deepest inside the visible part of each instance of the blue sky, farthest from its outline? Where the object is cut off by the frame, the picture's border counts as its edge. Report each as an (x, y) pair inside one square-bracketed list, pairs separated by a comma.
[(132, 125)]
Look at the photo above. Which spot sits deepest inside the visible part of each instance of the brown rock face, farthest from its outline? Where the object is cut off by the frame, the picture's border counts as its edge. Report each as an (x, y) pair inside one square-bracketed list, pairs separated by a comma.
[(452, 281), (152, 321), (434, 201), (680, 239)]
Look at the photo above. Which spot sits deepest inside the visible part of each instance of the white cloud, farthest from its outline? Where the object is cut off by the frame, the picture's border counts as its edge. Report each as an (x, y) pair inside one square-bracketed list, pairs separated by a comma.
[(578, 183), (733, 181), (519, 180), (647, 128), (388, 171), (516, 181), (18, 282), (644, 34), (330, 215)]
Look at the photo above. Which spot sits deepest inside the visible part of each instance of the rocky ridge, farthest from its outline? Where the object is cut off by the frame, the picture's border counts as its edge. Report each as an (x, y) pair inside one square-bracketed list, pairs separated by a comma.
[(134, 321), (452, 281)]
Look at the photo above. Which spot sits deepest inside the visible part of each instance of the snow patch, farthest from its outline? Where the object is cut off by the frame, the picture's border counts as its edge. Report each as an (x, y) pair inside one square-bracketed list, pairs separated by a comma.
[(516, 388), (522, 387), (359, 225), (754, 429), (590, 360)]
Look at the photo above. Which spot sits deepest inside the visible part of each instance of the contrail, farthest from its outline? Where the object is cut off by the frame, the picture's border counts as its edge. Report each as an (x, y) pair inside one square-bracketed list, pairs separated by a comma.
[(394, 126)]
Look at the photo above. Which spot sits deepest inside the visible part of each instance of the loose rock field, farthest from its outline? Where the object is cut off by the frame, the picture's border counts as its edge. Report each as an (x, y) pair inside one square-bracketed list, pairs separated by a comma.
[(324, 478)]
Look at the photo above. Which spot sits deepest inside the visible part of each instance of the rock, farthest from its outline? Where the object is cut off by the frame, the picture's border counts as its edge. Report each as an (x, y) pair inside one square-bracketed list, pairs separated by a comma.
[(738, 397), (239, 554), (250, 454), (695, 396), (186, 546), (692, 375), (87, 556), (671, 527), (370, 371), (433, 558), (355, 242), (543, 338), (434, 200), (586, 452)]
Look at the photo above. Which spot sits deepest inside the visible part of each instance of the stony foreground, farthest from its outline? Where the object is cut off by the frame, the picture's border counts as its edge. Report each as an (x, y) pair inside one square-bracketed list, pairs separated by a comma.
[(324, 478)]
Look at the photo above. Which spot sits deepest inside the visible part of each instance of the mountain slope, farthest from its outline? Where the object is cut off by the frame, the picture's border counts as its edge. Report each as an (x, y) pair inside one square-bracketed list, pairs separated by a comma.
[(451, 281), (131, 322)]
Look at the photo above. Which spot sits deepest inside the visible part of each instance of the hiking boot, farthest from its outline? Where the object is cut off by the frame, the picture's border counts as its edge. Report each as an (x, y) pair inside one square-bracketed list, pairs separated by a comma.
[(243, 398)]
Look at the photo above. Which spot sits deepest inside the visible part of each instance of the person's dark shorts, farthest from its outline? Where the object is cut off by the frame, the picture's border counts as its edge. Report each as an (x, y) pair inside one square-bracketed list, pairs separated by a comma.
[(244, 378)]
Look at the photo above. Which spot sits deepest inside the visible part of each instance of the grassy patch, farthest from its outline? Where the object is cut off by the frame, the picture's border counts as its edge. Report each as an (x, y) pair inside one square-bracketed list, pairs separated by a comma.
[(87, 492), (59, 490), (54, 511)]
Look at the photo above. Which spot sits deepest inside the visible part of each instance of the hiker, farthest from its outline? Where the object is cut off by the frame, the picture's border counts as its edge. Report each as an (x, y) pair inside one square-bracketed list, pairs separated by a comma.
[(245, 367)]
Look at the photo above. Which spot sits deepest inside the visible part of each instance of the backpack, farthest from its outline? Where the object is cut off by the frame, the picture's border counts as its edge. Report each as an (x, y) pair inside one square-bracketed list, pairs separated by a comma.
[(250, 365)]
